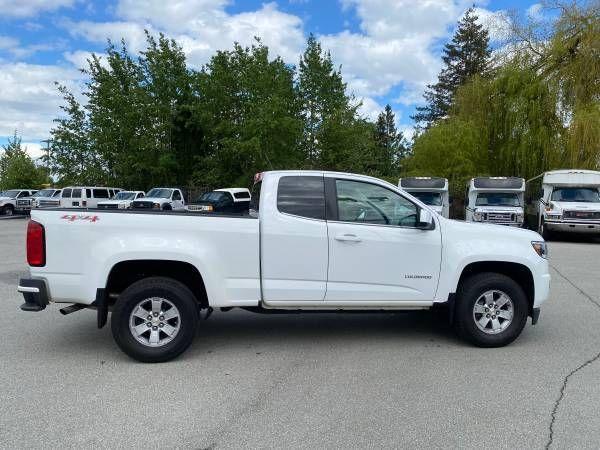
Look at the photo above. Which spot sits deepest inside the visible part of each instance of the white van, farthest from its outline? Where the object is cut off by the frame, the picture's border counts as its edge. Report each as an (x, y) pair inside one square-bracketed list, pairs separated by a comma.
[(566, 201), (86, 196), (498, 200), (432, 191)]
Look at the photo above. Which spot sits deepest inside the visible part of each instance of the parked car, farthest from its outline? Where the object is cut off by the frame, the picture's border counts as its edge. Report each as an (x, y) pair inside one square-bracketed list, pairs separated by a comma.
[(49, 202), (498, 200), (122, 200), (315, 241), (25, 204), (230, 200), (567, 201), (86, 196), (8, 200), (165, 199), (432, 191)]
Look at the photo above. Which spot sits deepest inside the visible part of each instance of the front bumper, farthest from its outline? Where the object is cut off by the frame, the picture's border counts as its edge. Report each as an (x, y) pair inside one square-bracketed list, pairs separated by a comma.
[(573, 227), (35, 294)]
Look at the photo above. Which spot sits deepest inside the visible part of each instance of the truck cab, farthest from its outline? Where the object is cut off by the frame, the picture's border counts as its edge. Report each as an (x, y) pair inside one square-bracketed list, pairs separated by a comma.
[(9, 198), (497, 200), (165, 199), (432, 191), (568, 201)]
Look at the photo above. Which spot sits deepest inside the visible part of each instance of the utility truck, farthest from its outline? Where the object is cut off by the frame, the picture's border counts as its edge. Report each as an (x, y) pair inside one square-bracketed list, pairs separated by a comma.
[(566, 201), (432, 191), (497, 200), (312, 241)]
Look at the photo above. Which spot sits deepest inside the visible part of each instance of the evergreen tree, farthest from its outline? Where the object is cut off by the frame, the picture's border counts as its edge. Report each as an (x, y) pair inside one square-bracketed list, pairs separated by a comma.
[(17, 169), (390, 144), (323, 96), (466, 55)]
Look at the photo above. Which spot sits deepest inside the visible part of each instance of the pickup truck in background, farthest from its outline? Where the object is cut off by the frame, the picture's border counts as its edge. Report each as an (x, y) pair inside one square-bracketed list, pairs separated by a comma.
[(25, 204), (228, 200), (9, 198), (163, 199), (312, 241), (122, 200)]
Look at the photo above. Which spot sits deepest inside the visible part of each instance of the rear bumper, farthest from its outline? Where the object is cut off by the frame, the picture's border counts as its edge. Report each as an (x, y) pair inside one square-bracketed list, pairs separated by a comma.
[(35, 294), (573, 227)]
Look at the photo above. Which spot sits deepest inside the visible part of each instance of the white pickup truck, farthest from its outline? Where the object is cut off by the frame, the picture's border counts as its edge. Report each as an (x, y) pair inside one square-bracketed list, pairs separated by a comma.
[(317, 241)]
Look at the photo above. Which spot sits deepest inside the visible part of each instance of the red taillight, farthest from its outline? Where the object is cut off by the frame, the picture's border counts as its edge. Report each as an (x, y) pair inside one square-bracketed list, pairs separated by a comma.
[(36, 244)]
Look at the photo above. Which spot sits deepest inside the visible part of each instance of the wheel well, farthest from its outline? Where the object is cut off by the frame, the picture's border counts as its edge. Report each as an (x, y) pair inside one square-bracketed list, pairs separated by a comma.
[(125, 273), (518, 272)]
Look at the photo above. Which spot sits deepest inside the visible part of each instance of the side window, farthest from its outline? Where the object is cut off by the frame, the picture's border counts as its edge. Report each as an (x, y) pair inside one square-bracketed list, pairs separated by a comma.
[(88, 193), (176, 195), (140, 195), (23, 194), (101, 193), (369, 203), (302, 196), (255, 201), (76, 193), (66, 193), (241, 195)]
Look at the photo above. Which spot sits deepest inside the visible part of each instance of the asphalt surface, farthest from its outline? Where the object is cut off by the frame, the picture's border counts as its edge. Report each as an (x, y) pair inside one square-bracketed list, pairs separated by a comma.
[(306, 381)]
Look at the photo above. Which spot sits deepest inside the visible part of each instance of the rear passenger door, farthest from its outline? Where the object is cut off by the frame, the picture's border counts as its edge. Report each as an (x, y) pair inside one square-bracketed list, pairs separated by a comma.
[(294, 254)]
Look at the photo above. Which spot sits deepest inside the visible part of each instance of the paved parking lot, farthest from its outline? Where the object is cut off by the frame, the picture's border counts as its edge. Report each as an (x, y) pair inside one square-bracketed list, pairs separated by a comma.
[(306, 381)]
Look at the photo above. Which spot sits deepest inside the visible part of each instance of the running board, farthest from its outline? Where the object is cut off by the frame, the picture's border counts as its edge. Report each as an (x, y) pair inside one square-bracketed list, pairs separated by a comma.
[(337, 307), (72, 308)]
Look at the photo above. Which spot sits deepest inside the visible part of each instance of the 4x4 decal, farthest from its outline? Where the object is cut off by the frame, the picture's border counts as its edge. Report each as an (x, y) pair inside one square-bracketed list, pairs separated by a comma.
[(74, 217)]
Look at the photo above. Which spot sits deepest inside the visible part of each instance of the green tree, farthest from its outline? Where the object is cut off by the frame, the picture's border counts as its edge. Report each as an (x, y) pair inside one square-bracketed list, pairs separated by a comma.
[(249, 106), (466, 55), (391, 146), (17, 169), (323, 97)]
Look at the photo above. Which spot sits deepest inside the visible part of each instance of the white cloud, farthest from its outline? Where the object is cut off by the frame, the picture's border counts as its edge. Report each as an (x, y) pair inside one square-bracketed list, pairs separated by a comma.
[(29, 98), (200, 26), (80, 58), (370, 108), (34, 149), (535, 11), (26, 8), (497, 23), (8, 43)]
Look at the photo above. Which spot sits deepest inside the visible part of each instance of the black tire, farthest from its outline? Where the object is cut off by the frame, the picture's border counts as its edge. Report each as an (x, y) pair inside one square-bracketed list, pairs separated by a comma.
[(470, 291), (167, 208), (8, 210), (166, 288), (545, 232)]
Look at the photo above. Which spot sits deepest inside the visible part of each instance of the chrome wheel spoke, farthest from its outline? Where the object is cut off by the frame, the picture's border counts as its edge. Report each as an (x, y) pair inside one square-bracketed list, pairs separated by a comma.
[(479, 309), (502, 300), (489, 297), (483, 321), (156, 305), (171, 314), (140, 329), (168, 329), (505, 314), (141, 313), (496, 324), (154, 336)]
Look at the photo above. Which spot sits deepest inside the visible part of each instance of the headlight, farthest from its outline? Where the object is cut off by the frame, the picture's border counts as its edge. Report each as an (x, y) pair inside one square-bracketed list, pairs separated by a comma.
[(540, 248), (520, 217), (477, 216)]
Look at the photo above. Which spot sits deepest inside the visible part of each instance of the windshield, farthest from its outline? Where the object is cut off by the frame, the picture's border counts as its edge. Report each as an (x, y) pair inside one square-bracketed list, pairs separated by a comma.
[(429, 198), (44, 193), (159, 193), (497, 199), (212, 197), (11, 194), (124, 196), (576, 194)]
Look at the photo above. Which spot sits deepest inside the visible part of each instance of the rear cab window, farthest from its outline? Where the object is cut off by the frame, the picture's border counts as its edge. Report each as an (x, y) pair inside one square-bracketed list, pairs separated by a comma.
[(302, 195)]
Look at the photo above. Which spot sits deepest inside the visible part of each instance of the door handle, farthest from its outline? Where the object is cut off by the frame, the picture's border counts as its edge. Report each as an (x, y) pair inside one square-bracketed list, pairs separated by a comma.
[(347, 238)]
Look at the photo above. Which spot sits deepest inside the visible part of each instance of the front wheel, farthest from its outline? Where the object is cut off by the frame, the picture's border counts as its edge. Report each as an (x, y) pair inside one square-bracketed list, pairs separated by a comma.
[(491, 310), (8, 210), (155, 319)]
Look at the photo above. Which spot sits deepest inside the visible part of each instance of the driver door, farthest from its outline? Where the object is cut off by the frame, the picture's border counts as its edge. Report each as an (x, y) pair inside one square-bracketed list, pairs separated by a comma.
[(376, 252)]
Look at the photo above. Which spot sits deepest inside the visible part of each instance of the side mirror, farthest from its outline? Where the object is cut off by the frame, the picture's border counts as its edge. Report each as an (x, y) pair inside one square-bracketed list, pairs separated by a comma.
[(426, 221)]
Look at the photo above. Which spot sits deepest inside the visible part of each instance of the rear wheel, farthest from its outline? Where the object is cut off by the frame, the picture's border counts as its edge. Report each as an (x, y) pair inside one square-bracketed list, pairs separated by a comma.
[(491, 310), (155, 319)]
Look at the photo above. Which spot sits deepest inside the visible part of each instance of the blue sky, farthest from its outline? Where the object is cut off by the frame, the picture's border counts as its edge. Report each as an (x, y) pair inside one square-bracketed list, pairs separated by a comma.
[(388, 49)]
